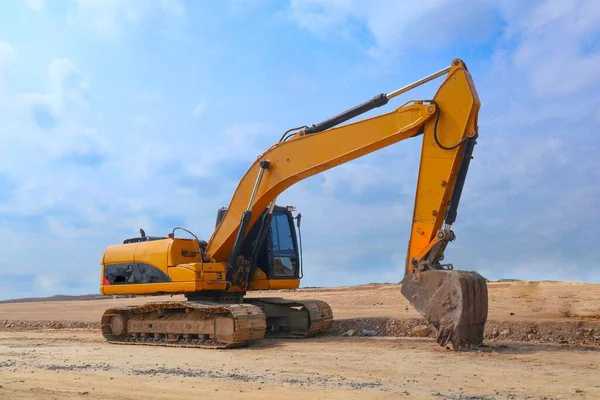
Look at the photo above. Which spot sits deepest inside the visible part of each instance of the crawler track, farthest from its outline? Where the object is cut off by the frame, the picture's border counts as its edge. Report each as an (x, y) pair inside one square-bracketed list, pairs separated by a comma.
[(211, 325), (295, 319), (185, 324)]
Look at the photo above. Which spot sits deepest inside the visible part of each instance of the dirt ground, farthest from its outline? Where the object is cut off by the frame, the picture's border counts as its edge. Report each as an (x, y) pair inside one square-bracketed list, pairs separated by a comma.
[(539, 301), (543, 342)]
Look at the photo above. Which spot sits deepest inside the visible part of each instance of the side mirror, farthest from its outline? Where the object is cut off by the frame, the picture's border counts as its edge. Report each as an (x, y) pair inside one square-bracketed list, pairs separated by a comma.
[(298, 218)]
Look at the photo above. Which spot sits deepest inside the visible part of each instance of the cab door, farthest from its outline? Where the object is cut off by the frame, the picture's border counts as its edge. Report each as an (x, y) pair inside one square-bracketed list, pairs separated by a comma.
[(284, 249)]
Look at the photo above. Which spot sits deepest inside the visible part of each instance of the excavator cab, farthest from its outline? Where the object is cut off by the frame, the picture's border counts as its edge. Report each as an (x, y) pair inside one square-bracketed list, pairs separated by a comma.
[(277, 252)]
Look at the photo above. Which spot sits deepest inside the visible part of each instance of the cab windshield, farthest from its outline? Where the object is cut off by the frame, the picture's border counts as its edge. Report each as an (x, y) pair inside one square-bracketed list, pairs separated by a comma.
[(284, 253)]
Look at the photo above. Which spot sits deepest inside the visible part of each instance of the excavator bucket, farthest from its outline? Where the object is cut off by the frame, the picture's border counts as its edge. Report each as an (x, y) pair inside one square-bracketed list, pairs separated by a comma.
[(454, 302)]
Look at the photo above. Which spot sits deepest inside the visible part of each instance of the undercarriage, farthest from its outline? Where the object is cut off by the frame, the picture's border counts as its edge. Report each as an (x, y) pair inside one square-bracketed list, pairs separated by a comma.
[(215, 325)]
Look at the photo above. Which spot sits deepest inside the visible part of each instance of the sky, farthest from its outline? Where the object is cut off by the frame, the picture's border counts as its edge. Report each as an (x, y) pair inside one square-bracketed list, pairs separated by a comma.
[(117, 115)]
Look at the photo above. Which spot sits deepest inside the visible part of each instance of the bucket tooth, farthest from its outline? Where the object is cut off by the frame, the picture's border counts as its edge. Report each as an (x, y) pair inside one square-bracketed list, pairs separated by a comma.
[(454, 302)]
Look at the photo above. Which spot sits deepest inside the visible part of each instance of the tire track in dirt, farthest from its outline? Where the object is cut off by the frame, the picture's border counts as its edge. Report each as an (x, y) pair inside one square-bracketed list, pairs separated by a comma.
[(70, 363), (269, 377)]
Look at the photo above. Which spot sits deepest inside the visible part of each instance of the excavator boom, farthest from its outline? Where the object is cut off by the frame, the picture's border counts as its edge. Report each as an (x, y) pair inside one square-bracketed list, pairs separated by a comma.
[(455, 302)]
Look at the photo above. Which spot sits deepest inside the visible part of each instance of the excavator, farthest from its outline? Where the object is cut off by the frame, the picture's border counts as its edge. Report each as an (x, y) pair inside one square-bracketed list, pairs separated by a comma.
[(256, 247)]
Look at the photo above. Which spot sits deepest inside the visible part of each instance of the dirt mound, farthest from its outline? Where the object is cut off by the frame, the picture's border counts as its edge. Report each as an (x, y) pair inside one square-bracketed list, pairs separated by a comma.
[(571, 332), (36, 325)]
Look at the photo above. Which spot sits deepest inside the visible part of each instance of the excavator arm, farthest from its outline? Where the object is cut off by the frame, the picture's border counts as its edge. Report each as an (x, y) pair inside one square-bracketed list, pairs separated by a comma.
[(455, 302)]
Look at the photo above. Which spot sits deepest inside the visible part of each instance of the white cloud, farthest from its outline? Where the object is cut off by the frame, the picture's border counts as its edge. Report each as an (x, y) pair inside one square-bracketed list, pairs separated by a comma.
[(173, 7), (51, 125), (360, 177), (143, 119), (553, 44), (7, 52), (36, 5), (239, 143), (105, 16), (554, 39), (8, 56), (61, 106), (146, 98), (199, 109), (244, 6), (68, 84), (395, 26), (46, 282), (110, 17)]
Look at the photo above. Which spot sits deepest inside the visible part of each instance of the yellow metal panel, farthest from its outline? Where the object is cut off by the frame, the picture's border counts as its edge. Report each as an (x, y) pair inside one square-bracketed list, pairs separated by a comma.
[(149, 288), (182, 273), (199, 272), (458, 107), (119, 253), (432, 197), (213, 276), (260, 281), (195, 267), (274, 284), (153, 252), (214, 267), (177, 248), (259, 275)]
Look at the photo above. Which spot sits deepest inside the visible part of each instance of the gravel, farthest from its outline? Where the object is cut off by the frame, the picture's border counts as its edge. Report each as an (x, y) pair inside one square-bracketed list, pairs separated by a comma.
[(567, 332)]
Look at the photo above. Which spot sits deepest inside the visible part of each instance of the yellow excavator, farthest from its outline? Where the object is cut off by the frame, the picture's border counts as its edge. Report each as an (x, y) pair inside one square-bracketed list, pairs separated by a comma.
[(255, 245)]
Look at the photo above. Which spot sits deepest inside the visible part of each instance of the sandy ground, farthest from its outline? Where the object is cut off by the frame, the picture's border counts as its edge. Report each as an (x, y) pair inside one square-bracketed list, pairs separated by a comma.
[(539, 301), (77, 364)]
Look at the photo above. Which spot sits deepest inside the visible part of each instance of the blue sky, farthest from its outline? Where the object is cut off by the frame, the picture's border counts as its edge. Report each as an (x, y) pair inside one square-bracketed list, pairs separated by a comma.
[(117, 115)]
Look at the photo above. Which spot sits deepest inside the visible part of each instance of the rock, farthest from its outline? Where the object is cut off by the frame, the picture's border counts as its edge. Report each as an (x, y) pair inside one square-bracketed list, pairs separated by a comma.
[(505, 332), (495, 333), (365, 332), (421, 331), (59, 325), (532, 329), (351, 332)]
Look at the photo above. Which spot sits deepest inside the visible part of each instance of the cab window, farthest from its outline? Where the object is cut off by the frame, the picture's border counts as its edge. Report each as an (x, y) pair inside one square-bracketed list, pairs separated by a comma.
[(284, 253)]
